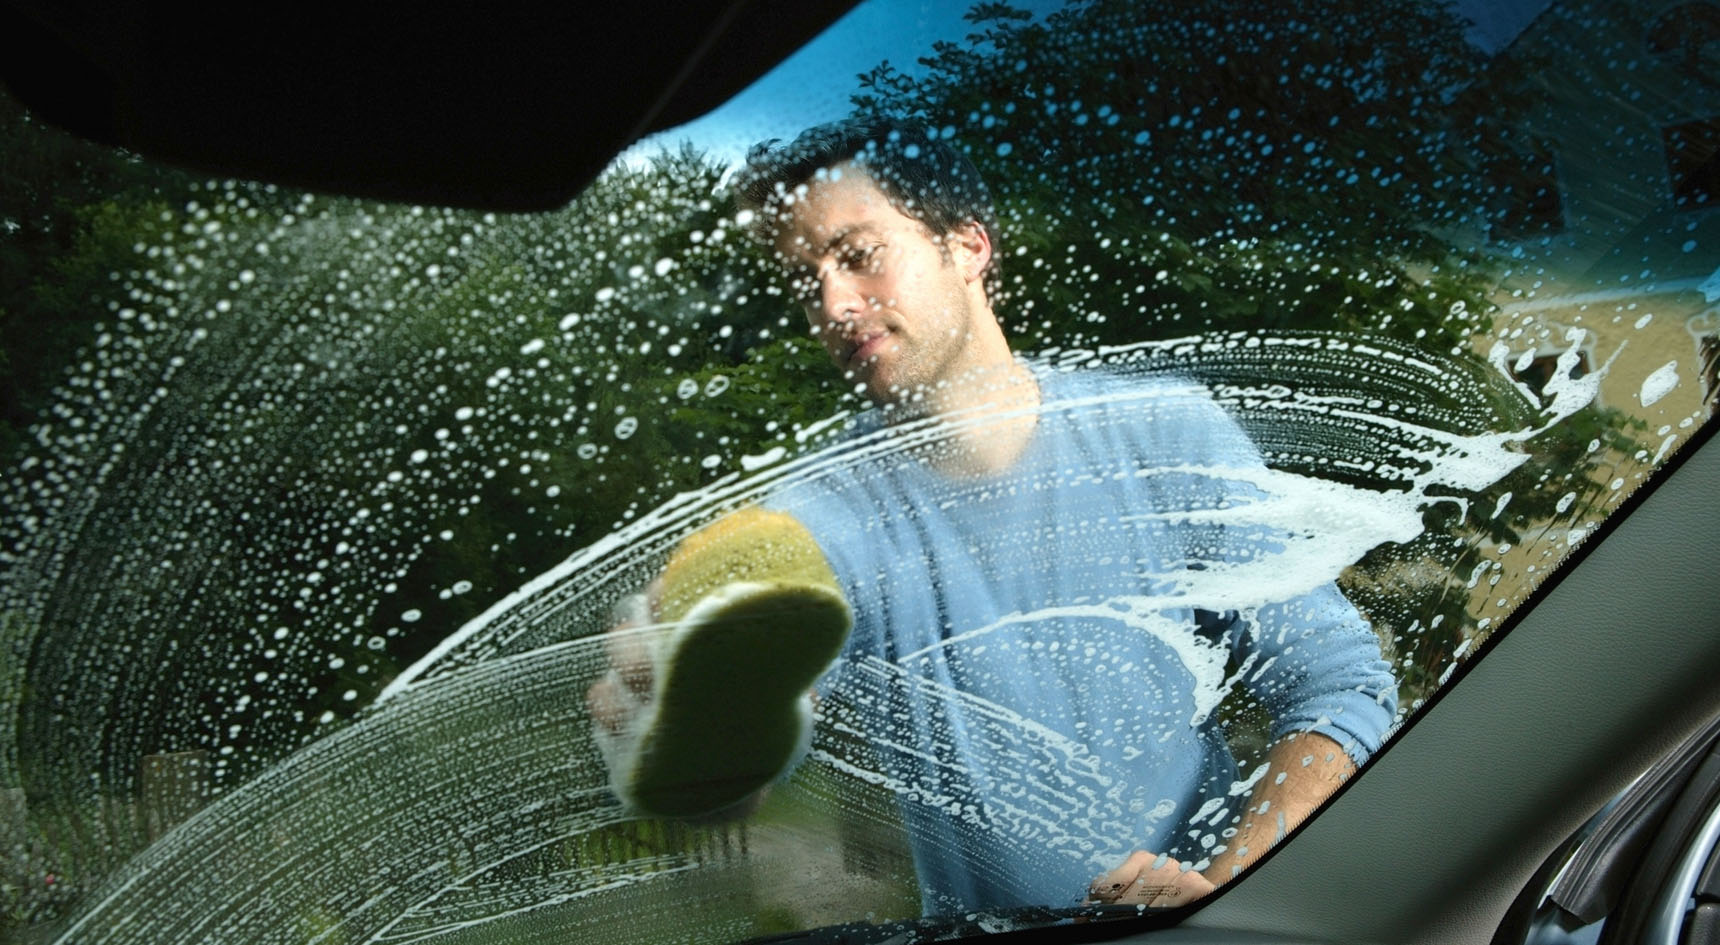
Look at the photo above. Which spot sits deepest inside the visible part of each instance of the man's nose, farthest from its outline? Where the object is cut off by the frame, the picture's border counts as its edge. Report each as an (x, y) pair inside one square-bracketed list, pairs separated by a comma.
[(839, 299)]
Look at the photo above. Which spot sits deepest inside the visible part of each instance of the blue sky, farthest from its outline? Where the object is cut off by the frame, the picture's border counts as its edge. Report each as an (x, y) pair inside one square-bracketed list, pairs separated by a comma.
[(813, 85), (1497, 22)]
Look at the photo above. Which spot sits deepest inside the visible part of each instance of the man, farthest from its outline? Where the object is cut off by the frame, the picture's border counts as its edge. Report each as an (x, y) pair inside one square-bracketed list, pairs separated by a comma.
[(1045, 571)]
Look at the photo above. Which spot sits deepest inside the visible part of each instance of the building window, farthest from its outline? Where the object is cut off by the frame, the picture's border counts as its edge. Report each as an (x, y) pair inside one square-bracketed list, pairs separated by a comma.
[(1692, 150), (1686, 34), (1708, 348), (1534, 371), (1526, 197)]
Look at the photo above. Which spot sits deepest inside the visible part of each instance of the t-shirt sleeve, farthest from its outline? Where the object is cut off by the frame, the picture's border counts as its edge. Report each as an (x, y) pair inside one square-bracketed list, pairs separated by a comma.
[(1311, 659), (1316, 666)]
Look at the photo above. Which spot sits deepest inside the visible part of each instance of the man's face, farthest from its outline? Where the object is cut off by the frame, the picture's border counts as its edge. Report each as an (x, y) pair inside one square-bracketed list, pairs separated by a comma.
[(895, 305)]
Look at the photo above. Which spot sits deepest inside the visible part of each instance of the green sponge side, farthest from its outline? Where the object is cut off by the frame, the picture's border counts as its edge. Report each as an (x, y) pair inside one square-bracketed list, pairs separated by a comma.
[(731, 710)]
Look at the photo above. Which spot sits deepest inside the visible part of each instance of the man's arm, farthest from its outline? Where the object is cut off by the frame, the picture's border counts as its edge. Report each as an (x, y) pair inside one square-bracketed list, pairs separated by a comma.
[(1302, 771), (1320, 675), (1332, 698)]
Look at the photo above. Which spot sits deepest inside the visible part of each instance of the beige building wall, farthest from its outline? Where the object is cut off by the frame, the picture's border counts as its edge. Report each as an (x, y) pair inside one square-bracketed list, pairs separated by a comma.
[(1624, 274), (1625, 263)]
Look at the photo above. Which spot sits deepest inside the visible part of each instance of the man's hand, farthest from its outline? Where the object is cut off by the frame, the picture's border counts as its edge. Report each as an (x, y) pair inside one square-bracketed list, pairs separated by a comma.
[(622, 704), (1304, 770), (622, 692), (1149, 879)]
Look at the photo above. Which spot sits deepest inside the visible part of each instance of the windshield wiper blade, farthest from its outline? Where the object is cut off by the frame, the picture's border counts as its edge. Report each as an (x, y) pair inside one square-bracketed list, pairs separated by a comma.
[(945, 928)]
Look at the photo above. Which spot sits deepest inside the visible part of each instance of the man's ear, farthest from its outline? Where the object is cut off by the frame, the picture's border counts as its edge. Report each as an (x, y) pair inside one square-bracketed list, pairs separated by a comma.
[(970, 248)]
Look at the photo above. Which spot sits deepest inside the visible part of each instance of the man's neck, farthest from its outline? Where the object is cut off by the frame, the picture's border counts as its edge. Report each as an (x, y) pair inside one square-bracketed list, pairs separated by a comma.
[(992, 417)]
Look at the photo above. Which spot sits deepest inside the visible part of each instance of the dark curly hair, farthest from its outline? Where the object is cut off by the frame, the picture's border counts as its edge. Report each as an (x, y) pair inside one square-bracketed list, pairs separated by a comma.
[(925, 176)]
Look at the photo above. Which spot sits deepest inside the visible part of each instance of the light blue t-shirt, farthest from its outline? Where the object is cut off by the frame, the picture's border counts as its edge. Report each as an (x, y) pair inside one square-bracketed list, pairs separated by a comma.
[(1036, 655)]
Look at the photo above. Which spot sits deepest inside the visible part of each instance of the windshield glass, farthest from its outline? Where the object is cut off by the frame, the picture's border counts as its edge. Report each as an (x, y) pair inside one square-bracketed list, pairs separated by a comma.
[(1025, 488)]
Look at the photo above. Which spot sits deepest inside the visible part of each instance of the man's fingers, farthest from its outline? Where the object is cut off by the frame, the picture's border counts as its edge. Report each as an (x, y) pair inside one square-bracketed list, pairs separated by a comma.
[(629, 658), (1110, 886), (1185, 887), (1148, 879), (613, 704), (615, 698), (624, 644), (607, 702)]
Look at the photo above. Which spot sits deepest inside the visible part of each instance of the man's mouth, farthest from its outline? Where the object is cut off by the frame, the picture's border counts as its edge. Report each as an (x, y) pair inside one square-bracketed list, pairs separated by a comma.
[(865, 347)]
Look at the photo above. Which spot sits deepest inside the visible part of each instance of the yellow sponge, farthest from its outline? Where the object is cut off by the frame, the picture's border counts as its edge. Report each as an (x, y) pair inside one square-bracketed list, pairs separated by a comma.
[(752, 544), (755, 616)]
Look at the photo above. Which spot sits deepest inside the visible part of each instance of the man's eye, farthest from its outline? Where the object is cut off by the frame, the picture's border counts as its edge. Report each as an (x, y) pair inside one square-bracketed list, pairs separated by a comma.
[(860, 258)]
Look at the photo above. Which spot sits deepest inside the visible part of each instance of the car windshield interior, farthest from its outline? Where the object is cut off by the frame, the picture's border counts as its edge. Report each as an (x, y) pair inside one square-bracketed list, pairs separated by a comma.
[(1007, 467)]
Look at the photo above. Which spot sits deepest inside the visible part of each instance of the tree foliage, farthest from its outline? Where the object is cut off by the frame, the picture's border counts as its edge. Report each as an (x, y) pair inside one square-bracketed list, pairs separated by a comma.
[(1226, 165), (272, 447)]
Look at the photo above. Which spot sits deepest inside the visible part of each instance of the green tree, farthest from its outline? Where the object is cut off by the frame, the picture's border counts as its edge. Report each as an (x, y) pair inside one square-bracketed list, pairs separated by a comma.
[(310, 437), (57, 192), (1223, 165)]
